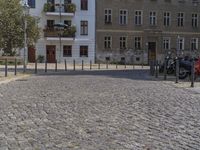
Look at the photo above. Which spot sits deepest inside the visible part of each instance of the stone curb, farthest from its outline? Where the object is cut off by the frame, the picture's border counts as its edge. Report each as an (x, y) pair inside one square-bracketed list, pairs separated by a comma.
[(10, 79)]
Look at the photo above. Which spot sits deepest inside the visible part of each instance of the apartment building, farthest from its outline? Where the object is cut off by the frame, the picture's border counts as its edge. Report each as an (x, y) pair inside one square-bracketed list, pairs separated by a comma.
[(144, 30), (67, 30)]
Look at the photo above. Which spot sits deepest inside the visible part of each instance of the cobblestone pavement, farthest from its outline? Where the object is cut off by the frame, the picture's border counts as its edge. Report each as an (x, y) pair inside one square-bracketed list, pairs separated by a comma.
[(107, 110)]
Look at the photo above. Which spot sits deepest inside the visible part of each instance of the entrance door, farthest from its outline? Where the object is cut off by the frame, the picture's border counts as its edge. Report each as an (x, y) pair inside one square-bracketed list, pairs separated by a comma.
[(31, 54), (51, 53), (152, 51)]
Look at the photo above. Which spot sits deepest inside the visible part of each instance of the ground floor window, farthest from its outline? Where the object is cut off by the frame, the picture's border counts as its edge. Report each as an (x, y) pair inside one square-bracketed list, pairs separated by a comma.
[(123, 42), (166, 43), (194, 43), (67, 51), (181, 44), (83, 51), (138, 43), (107, 42)]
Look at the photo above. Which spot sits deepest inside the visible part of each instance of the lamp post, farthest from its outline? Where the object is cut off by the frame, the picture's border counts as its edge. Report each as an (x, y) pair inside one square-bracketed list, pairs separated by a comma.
[(26, 13)]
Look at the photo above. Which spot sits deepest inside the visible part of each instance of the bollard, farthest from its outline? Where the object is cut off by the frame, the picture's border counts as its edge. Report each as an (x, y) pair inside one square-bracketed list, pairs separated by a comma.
[(74, 64), (82, 64), (165, 69), (56, 66), (177, 70), (116, 65), (106, 64), (133, 63), (36, 66), (192, 73), (99, 66), (65, 65), (6, 67), (90, 65), (24, 67), (152, 67), (124, 64), (15, 67), (156, 73), (45, 66)]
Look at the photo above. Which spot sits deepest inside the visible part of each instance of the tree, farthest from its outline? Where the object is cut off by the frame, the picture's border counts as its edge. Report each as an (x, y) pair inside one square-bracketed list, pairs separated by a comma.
[(12, 27)]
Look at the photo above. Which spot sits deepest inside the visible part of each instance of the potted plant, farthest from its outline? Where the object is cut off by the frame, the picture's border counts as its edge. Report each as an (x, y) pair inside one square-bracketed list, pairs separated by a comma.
[(70, 8)]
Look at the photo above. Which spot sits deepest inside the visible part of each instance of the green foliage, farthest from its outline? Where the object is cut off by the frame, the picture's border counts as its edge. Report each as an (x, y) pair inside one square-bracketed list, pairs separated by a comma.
[(71, 8), (47, 7), (40, 58), (12, 27), (69, 32)]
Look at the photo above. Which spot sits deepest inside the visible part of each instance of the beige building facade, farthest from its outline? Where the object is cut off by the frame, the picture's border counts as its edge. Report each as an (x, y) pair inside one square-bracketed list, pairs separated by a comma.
[(142, 30)]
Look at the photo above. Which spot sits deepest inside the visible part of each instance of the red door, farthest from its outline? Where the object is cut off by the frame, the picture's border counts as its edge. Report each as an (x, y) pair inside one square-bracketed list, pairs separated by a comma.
[(51, 53), (31, 54)]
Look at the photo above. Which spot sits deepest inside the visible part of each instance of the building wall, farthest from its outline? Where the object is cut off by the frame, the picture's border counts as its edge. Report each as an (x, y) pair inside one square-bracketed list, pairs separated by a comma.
[(79, 15), (147, 32)]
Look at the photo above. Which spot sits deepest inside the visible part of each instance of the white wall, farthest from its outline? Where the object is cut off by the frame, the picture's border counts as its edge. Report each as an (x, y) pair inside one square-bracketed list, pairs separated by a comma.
[(79, 40)]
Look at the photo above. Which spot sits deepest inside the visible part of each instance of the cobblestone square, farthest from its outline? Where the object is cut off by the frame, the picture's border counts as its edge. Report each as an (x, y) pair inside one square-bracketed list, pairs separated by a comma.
[(98, 110)]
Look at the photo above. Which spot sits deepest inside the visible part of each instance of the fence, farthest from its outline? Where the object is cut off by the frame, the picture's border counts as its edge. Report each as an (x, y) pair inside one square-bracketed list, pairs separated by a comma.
[(17, 66)]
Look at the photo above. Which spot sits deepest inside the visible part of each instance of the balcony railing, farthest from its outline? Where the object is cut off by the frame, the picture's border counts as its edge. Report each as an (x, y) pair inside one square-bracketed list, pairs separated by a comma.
[(63, 8), (56, 32)]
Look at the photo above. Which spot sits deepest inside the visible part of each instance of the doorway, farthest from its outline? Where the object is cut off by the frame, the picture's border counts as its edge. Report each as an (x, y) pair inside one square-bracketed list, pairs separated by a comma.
[(51, 53), (31, 54), (151, 51)]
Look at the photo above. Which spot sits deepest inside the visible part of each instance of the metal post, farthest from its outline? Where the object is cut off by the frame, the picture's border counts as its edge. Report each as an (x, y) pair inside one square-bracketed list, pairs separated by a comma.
[(36, 66), (133, 62), (90, 65), (45, 66), (156, 74), (106, 64), (116, 65), (74, 64), (24, 67), (192, 73), (125, 64), (177, 70), (6, 67), (165, 69), (142, 59), (82, 64), (56, 66), (15, 67), (99, 66), (65, 65)]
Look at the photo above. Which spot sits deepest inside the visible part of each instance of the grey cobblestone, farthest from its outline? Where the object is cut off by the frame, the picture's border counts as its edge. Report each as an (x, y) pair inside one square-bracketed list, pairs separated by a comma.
[(107, 110)]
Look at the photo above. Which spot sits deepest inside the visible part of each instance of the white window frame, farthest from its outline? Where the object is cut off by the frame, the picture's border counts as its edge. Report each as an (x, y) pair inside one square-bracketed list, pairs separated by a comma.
[(107, 42), (195, 20), (153, 18), (108, 15), (138, 42), (166, 43), (123, 42), (194, 43), (167, 18), (123, 16), (180, 19), (138, 17), (181, 43)]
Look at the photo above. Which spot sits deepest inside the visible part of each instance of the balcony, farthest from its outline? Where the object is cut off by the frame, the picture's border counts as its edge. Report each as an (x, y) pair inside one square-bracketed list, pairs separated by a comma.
[(55, 9), (56, 33)]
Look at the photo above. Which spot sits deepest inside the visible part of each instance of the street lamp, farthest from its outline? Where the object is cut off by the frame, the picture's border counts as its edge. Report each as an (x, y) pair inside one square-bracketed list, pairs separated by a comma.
[(26, 13)]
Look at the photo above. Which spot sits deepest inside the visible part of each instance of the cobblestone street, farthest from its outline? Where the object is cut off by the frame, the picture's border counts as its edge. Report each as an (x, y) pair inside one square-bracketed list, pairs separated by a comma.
[(98, 110)]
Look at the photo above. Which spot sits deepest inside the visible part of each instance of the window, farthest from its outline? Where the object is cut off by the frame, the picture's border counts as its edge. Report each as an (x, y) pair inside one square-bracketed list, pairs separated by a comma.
[(67, 51), (181, 44), (123, 17), (31, 3), (138, 17), (194, 44), (50, 23), (152, 18), (84, 4), (123, 42), (180, 19), (166, 43), (107, 42), (167, 18), (138, 43), (83, 51), (108, 16), (195, 20), (84, 27), (67, 1), (68, 22)]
